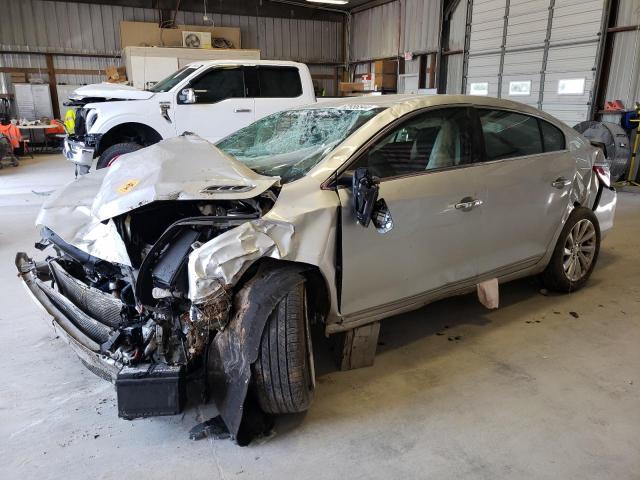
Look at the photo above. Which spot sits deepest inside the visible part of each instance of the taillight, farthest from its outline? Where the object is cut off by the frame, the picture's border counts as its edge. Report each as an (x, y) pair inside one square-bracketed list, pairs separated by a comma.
[(603, 174)]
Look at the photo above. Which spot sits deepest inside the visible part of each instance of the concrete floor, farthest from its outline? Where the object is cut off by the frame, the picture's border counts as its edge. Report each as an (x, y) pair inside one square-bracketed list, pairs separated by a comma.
[(528, 390)]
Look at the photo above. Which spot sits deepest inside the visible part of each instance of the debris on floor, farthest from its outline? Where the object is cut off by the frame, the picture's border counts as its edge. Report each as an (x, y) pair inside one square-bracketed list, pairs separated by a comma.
[(214, 428), (574, 314)]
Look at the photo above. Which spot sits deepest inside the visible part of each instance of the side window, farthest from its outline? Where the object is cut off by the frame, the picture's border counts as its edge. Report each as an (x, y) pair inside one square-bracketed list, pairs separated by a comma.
[(279, 82), (552, 137), (429, 141), (218, 84), (509, 134)]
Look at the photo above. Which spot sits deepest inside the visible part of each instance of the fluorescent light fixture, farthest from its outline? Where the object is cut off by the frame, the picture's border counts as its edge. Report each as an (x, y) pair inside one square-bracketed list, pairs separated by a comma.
[(331, 2)]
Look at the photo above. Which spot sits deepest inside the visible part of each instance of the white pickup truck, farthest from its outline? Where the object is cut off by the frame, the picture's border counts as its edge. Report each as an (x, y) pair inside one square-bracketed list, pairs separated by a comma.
[(209, 98)]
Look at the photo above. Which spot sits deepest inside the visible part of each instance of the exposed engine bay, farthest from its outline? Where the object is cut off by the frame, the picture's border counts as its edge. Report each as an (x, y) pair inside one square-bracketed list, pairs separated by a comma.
[(147, 315)]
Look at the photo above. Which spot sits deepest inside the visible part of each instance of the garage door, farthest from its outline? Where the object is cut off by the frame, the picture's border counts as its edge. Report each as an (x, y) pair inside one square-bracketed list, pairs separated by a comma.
[(539, 52)]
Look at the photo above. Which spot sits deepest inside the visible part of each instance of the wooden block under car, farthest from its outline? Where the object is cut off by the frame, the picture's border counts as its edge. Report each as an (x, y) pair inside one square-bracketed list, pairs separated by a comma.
[(357, 347)]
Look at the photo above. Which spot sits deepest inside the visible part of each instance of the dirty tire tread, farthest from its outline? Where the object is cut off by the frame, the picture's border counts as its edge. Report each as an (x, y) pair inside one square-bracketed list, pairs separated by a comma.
[(553, 277), (281, 373), (117, 149)]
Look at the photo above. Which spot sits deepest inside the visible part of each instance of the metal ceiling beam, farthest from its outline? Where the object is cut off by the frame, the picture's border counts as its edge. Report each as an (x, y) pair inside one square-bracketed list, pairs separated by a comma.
[(261, 8)]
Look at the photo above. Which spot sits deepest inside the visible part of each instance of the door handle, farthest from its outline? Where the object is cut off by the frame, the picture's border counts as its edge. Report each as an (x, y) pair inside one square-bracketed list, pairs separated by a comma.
[(467, 204), (560, 183), (242, 110)]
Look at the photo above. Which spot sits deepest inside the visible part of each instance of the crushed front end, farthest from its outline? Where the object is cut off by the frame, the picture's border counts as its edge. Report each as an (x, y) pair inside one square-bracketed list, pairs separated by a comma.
[(136, 325)]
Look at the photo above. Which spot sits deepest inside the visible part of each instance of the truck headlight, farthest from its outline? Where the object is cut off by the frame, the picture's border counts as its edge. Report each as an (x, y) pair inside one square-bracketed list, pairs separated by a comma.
[(92, 116)]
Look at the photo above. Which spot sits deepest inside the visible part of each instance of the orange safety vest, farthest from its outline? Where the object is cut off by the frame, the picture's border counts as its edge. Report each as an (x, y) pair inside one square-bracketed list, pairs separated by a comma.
[(12, 133)]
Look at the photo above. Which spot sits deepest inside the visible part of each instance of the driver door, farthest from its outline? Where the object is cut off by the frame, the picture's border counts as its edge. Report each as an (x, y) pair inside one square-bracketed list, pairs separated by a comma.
[(425, 186), (221, 107)]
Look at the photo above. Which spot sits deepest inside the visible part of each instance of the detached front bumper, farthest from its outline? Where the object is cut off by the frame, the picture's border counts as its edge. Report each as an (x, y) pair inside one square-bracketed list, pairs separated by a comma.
[(606, 209), (88, 320), (78, 152), (83, 333)]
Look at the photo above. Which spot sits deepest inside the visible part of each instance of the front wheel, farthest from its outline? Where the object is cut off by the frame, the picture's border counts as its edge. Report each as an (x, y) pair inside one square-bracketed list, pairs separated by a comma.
[(112, 153), (282, 373), (575, 254)]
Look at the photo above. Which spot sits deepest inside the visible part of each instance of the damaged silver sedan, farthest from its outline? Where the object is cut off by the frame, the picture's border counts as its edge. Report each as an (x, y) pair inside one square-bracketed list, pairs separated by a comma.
[(189, 261)]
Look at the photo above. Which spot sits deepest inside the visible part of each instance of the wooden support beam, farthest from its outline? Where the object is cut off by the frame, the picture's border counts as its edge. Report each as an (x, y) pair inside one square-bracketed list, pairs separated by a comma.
[(625, 28), (53, 86), (58, 71), (323, 76), (358, 347), (432, 70)]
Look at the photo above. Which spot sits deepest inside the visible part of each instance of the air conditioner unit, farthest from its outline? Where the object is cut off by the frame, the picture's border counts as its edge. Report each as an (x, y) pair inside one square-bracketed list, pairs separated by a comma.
[(196, 39)]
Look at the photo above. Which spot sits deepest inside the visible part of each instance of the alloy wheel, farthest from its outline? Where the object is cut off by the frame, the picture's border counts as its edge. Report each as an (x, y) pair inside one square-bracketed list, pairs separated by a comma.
[(579, 250)]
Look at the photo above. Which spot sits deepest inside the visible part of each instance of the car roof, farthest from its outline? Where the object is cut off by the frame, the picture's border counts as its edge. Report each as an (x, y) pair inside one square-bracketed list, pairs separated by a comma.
[(406, 103), (422, 101), (247, 61)]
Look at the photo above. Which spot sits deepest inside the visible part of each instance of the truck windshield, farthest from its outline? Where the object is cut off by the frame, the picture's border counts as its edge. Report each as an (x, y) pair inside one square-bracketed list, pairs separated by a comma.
[(288, 144), (172, 80)]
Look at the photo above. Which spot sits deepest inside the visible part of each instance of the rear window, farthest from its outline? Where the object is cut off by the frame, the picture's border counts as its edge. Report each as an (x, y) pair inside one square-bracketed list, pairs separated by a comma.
[(509, 134), (279, 82), (552, 137)]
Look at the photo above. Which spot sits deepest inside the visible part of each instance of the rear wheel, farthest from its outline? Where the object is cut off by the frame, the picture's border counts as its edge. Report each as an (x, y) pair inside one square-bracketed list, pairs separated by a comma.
[(576, 252), (112, 153), (282, 373)]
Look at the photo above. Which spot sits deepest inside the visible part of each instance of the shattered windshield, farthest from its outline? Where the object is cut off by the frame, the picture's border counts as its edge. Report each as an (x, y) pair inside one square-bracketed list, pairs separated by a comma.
[(288, 144), (172, 80)]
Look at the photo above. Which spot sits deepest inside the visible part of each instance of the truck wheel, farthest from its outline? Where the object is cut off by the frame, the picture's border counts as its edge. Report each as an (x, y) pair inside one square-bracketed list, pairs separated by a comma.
[(112, 153), (575, 254), (282, 372)]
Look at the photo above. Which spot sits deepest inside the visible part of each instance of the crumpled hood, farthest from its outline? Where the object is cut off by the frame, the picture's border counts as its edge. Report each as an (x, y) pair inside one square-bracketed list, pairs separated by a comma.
[(181, 168), (112, 91)]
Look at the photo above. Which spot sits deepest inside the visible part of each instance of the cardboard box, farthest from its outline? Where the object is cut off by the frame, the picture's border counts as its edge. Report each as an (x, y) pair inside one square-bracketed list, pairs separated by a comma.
[(18, 77), (379, 81), (385, 81), (116, 74), (367, 81), (146, 34), (385, 67), (351, 86)]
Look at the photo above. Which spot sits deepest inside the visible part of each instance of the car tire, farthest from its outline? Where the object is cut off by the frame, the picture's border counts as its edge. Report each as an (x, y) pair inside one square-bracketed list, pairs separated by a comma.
[(575, 254), (282, 373), (114, 151)]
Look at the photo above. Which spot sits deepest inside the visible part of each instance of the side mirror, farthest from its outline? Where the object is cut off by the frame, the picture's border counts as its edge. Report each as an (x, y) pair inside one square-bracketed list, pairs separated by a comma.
[(188, 95), (365, 195)]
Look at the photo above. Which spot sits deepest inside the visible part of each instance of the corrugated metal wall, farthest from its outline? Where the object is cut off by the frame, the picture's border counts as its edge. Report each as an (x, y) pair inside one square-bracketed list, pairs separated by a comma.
[(541, 41), (624, 73), (456, 41), (45, 26), (393, 28)]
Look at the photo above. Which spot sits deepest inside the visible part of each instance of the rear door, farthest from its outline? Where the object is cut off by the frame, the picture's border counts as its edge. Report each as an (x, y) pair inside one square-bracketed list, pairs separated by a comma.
[(526, 178), (275, 88), (429, 243), (221, 106)]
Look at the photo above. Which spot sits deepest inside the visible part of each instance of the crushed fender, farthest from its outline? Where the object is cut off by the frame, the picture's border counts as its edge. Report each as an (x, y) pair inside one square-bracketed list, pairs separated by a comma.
[(236, 348)]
